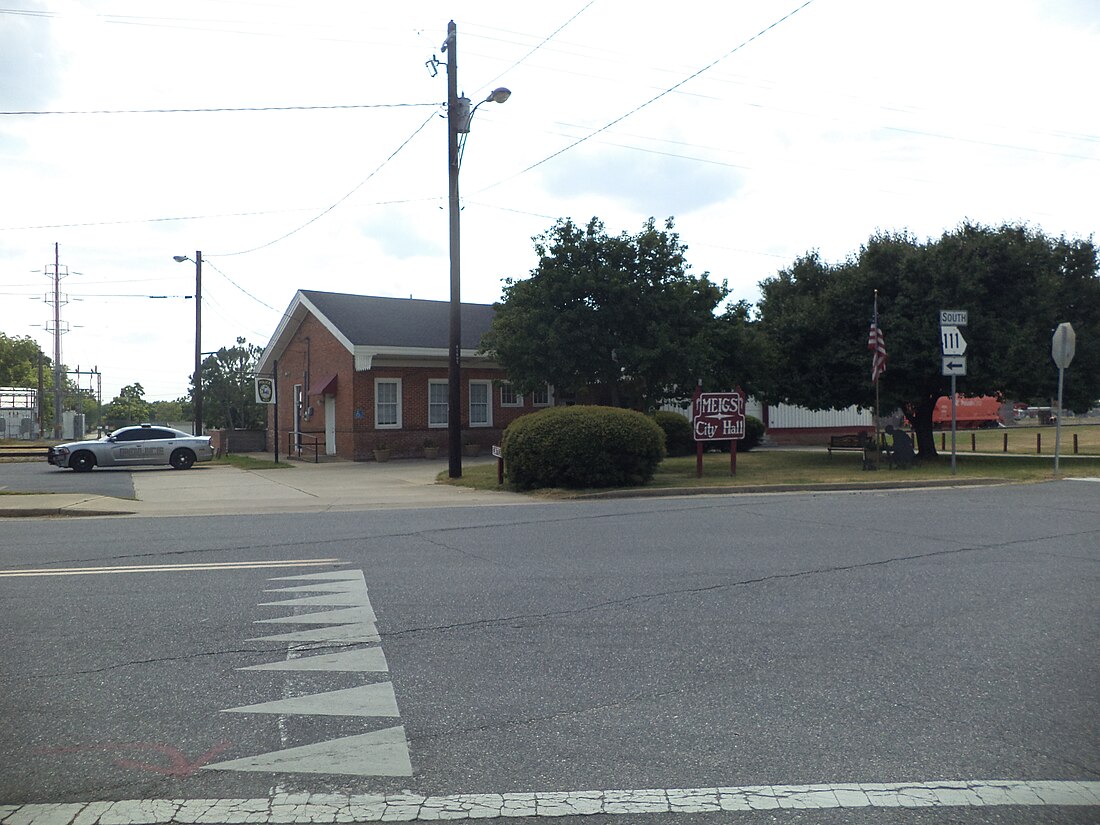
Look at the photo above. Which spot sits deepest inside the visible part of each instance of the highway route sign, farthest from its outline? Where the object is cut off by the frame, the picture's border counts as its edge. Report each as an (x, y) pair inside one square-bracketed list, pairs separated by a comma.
[(954, 365), (952, 341)]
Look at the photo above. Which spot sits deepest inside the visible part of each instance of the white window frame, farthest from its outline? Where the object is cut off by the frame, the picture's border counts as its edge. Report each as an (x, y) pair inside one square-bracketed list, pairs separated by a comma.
[(488, 386), (377, 383), (549, 402), (446, 403), (517, 398)]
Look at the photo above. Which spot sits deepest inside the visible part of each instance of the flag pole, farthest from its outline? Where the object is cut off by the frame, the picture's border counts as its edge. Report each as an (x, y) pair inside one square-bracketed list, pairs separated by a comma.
[(877, 377)]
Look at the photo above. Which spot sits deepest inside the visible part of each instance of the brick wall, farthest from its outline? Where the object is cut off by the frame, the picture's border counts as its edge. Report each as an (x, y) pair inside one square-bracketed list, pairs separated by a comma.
[(354, 401)]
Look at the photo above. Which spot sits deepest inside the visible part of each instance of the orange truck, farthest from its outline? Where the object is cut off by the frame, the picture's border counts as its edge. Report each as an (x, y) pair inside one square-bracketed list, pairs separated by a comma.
[(970, 413)]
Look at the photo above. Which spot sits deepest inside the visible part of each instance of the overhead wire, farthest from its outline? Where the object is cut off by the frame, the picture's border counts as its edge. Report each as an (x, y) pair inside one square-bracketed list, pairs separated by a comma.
[(653, 99), (353, 190)]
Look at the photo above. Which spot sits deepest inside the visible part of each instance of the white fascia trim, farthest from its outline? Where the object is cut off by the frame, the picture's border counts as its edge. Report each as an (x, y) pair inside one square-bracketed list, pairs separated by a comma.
[(365, 355)]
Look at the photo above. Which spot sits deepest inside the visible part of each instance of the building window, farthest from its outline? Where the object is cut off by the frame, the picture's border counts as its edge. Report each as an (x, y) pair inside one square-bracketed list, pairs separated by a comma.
[(481, 408), (387, 403), (508, 395), (542, 397), (438, 397)]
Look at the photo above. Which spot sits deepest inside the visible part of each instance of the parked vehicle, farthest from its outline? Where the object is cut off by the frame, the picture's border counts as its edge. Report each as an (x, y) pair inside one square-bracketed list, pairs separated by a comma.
[(983, 412), (129, 446)]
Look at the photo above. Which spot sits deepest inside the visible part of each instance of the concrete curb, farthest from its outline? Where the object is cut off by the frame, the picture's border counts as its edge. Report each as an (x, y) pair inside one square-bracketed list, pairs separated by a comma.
[(46, 505), (827, 487)]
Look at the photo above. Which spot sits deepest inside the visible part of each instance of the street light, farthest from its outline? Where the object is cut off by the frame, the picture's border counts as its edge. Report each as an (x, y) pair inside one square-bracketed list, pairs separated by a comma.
[(459, 116), (197, 426)]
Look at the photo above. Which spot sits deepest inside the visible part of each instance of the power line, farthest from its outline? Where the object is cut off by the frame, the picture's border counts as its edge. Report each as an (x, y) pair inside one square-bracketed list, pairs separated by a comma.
[(655, 98), (226, 109), (354, 189)]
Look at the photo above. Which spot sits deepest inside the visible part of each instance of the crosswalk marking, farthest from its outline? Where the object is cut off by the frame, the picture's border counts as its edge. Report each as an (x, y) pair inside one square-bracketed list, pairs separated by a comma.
[(380, 753), (165, 568), (351, 620), (349, 615), (324, 808), (365, 700), (362, 660)]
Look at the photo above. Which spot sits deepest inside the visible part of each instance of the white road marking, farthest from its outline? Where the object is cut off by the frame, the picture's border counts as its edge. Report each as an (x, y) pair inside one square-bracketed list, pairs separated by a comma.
[(346, 633), (167, 568), (379, 753), (347, 615), (365, 700), (363, 660), (408, 807)]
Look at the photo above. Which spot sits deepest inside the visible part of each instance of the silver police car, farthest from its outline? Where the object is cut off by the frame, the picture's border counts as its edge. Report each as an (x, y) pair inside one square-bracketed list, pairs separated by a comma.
[(144, 444)]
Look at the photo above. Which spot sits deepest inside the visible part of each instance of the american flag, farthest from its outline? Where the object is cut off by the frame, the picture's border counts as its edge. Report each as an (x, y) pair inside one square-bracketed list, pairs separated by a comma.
[(876, 342)]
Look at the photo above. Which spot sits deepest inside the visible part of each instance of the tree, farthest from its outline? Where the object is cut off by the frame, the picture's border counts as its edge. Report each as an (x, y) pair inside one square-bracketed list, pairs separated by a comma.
[(228, 392), (1016, 284), (129, 406), (615, 320)]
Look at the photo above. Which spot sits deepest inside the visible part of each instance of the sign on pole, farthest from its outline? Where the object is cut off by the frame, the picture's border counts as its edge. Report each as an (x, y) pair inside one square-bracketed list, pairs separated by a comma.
[(1063, 345), (952, 341), (953, 365), (954, 359), (1062, 348), (265, 390), (718, 416)]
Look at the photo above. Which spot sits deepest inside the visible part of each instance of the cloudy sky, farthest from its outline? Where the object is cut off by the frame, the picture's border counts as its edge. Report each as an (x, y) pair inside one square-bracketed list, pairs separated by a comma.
[(765, 128)]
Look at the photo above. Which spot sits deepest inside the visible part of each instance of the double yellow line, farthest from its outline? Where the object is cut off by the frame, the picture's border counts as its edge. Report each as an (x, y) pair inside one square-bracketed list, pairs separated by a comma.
[(168, 568)]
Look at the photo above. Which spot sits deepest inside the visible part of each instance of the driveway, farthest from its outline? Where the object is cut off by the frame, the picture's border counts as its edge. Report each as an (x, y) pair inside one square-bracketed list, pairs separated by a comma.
[(40, 477)]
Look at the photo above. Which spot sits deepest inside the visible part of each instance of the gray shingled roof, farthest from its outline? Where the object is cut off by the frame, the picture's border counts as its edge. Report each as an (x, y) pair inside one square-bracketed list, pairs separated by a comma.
[(399, 322)]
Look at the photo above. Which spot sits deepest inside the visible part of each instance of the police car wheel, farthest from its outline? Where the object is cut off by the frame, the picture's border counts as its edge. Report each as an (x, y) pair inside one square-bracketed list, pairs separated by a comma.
[(82, 461), (182, 459)]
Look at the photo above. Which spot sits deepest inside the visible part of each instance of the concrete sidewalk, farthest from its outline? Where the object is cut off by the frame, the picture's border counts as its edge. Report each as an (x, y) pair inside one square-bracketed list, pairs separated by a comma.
[(209, 489)]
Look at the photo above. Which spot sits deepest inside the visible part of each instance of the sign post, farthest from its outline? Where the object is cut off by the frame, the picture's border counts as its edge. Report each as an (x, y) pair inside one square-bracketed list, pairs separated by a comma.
[(1062, 348), (953, 361), (717, 416)]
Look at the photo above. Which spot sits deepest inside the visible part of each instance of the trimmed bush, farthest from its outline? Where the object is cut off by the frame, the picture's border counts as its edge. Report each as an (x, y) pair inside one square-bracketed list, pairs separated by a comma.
[(579, 447), (679, 437), (754, 434)]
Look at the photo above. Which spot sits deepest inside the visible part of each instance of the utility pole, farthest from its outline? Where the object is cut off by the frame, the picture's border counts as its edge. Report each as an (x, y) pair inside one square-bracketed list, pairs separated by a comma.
[(198, 343), (58, 380), (455, 124)]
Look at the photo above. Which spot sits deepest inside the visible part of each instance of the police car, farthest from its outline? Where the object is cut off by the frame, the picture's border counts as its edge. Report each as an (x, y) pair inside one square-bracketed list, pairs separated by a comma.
[(129, 446)]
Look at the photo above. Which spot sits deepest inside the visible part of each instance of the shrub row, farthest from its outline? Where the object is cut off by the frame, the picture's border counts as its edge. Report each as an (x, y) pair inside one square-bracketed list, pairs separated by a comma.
[(582, 446)]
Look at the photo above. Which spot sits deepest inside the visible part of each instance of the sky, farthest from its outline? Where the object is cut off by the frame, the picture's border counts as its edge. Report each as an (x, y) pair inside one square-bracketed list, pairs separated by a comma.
[(766, 129)]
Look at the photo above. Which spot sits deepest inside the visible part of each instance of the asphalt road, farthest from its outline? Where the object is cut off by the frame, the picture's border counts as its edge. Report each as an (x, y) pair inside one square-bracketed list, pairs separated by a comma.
[(647, 644), (40, 477)]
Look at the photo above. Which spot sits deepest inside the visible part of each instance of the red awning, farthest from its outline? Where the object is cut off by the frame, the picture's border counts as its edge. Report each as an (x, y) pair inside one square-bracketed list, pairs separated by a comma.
[(324, 386)]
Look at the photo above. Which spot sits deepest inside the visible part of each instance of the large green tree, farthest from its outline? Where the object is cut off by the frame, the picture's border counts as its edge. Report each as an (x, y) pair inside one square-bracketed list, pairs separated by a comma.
[(1016, 283), (128, 407), (615, 319), (228, 392)]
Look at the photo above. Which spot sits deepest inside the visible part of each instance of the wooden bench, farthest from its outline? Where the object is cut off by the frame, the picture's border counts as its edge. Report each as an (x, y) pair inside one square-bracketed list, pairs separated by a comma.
[(856, 442)]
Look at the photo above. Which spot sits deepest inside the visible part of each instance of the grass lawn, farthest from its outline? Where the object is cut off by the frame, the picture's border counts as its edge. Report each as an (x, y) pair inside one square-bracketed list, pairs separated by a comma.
[(1025, 440), (783, 467)]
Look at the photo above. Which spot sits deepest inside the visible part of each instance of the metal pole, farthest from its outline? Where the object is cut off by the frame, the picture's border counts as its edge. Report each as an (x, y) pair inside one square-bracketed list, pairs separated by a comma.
[(275, 390), (1058, 422), (953, 470), (57, 379), (198, 344), (454, 352)]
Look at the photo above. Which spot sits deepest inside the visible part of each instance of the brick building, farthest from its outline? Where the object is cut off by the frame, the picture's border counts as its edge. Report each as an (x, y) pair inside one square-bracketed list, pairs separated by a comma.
[(355, 373)]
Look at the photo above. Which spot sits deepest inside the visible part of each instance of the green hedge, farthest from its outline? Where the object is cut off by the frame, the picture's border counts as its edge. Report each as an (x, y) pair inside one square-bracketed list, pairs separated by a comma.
[(679, 437), (582, 446)]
